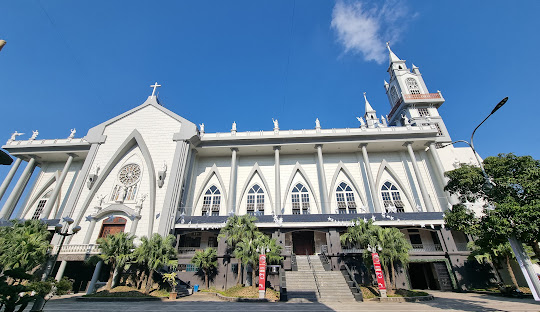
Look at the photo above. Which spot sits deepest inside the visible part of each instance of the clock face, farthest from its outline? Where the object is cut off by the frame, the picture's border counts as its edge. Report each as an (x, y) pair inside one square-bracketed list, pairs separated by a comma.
[(129, 174)]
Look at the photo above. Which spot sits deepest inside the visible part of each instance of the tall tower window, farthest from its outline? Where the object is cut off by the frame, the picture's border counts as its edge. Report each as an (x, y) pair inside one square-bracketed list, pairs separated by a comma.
[(412, 86), (423, 112), (255, 200), (345, 199), (392, 198), (394, 95), (211, 202), (300, 200)]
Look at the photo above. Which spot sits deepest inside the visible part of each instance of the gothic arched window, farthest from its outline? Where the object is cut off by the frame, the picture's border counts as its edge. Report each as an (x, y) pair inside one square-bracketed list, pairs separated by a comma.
[(211, 202), (394, 95), (41, 205), (255, 200), (392, 198), (300, 199), (345, 199), (412, 86)]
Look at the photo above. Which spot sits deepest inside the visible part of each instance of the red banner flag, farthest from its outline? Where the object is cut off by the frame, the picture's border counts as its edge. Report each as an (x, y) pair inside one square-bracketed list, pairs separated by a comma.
[(378, 271), (262, 272)]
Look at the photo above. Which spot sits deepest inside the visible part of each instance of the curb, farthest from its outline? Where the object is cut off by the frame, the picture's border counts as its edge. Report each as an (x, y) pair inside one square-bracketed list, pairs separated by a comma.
[(113, 299), (235, 299), (404, 299)]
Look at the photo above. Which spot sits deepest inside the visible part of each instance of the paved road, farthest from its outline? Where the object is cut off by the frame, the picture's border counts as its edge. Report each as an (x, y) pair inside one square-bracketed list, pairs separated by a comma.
[(445, 301)]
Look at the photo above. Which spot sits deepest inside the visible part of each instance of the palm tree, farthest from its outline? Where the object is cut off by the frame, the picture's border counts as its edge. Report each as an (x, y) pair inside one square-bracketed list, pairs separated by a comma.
[(159, 251), (237, 229), (395, 250), (116, 250), (24, 245), (140, 256), (206, 261), (357, 235)]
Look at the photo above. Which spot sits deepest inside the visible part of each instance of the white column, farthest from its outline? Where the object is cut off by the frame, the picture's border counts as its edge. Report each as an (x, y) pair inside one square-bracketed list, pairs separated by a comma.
[(61, 270), (372, 187), (9, 177), (54, 195), (90, 230), (440, 171), (17, 191), (95, 277), (423, 190), (277, 208), (232, 183), (325, 205), (134, 224)]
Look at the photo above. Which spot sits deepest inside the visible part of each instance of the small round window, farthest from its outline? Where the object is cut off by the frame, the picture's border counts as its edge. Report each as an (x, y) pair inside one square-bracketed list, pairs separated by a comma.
[(129, 174)]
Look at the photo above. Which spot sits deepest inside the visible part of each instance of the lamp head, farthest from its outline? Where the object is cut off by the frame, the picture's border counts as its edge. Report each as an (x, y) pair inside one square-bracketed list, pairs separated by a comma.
[(76, 229), (501, 103), (68, 220)]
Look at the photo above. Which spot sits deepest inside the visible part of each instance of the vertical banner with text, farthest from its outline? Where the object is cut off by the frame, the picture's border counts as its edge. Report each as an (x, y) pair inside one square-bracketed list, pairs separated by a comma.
[(379, 273), (262, 272)]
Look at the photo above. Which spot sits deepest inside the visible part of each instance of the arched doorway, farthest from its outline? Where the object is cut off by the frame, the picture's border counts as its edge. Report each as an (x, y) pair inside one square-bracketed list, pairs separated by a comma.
[(112, 226), (303, 242)]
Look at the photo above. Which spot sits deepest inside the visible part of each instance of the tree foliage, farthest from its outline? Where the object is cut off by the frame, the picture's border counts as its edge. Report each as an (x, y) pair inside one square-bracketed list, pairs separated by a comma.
[(116, 250), (23, 245), (393, 244), (154, 253), (512, 206), (206, 261)]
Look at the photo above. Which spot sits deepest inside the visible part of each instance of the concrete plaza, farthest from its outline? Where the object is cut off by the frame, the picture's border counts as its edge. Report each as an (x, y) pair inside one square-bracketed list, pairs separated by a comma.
[(444, 301)]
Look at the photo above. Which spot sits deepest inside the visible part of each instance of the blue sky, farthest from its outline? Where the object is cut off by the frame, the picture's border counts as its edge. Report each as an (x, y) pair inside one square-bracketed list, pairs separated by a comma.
[(74, 64)]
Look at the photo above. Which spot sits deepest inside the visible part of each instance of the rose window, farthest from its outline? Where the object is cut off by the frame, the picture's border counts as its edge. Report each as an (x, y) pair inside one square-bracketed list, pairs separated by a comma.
[(129, 174)]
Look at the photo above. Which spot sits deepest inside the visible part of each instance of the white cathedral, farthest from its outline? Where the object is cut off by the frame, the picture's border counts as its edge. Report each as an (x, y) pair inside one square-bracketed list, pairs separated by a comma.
[(149, 171)]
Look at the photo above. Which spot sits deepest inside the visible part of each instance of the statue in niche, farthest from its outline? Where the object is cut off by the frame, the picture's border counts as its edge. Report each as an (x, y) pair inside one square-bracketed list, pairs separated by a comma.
[(233, 126), (317, 123), (406, 120), (72, 134), (97, 169), (14, 135), (362, 122), (276, 124), (201, 126), (34, 135), (141, 200), (164, 168), (100, 199), (122, 194)]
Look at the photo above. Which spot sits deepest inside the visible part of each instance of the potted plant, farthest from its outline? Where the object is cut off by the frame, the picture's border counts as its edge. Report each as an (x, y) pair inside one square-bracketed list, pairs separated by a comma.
[(171, 279)]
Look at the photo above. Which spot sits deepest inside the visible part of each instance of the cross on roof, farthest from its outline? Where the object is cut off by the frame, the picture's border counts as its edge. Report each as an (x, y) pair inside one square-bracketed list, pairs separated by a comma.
[(154, 86)]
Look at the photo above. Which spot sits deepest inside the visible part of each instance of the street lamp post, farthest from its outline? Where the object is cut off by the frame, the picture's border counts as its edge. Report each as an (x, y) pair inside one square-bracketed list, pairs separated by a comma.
[(40, 302), (521, 256)]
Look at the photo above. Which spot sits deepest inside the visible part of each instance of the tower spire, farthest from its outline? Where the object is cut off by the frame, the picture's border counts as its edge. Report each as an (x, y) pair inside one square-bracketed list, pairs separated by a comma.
[(369, 109), (393, 57)]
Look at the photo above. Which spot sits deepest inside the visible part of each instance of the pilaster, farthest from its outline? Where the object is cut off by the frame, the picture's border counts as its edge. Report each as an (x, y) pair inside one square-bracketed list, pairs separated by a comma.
[(325, 205), (232, 183), (277, 208), (372, 187), (423, 190)]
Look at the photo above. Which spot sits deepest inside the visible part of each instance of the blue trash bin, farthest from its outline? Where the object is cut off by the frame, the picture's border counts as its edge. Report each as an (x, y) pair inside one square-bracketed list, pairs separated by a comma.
[(196, 288)]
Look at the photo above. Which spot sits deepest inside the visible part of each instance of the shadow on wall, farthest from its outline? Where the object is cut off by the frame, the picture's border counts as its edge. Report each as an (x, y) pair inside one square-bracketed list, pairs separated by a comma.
[(480, 275)]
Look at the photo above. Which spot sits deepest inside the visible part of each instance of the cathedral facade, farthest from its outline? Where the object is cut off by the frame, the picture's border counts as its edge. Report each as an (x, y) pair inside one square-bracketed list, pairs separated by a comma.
[(169, 176)]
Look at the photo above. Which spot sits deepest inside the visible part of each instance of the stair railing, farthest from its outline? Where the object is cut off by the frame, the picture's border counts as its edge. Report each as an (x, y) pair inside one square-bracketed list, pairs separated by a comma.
[(314, 275), (351, 277)]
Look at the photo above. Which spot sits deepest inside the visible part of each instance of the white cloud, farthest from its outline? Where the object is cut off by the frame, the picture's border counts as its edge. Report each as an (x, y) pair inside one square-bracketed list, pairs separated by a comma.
[(363, 29)]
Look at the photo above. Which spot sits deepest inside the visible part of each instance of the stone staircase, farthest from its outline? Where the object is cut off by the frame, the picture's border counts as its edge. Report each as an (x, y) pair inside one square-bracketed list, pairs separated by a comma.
[(311, 283)]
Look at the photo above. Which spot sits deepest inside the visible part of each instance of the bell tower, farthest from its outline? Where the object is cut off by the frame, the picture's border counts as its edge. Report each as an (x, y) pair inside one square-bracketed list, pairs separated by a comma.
[(410, 100)]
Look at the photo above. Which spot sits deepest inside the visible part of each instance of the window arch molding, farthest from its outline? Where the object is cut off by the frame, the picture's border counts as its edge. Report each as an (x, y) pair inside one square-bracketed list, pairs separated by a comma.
[(213, 171), (386, 166), (346, 201), (255, 200), (41, 204), (300, 199), (256, 170), (342, 169), (299, 170), (32, 203)]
